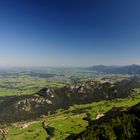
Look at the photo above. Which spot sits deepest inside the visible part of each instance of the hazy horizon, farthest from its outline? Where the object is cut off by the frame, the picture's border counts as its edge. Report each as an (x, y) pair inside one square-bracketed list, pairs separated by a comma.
[(72, 33)]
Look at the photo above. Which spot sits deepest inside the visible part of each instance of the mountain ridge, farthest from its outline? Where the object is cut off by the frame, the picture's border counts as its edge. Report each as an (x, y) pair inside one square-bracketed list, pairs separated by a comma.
[(116, 69), (50, 99)]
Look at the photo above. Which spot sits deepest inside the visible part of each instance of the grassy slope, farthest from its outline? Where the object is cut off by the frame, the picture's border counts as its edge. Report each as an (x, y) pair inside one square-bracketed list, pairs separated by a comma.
[(69, 121), (137, 90)]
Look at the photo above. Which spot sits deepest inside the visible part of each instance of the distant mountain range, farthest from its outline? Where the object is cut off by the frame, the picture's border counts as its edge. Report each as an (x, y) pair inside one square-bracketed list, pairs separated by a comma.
[(128, 69)]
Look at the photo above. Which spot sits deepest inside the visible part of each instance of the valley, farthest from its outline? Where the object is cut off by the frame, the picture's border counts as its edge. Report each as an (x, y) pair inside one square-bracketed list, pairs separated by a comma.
[(68, 121), (57, 104)]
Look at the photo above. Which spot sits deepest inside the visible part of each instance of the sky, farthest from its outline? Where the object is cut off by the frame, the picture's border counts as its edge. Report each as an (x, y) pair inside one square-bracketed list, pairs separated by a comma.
[(69, 32)]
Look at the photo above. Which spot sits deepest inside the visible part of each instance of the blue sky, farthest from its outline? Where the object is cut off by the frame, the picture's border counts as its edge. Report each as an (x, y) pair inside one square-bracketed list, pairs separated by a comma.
[(69, 32)]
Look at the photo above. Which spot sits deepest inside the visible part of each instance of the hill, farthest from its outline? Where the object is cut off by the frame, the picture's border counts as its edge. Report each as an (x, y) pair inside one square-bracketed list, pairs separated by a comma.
[(117, 124), (129, 69)]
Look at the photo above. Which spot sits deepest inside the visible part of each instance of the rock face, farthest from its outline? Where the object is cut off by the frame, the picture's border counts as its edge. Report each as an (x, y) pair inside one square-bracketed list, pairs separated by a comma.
[(51, 99), (98, 116)]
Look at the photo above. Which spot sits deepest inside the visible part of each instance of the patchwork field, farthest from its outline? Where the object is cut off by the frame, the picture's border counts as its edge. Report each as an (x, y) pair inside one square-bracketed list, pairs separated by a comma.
[(25, 84)]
